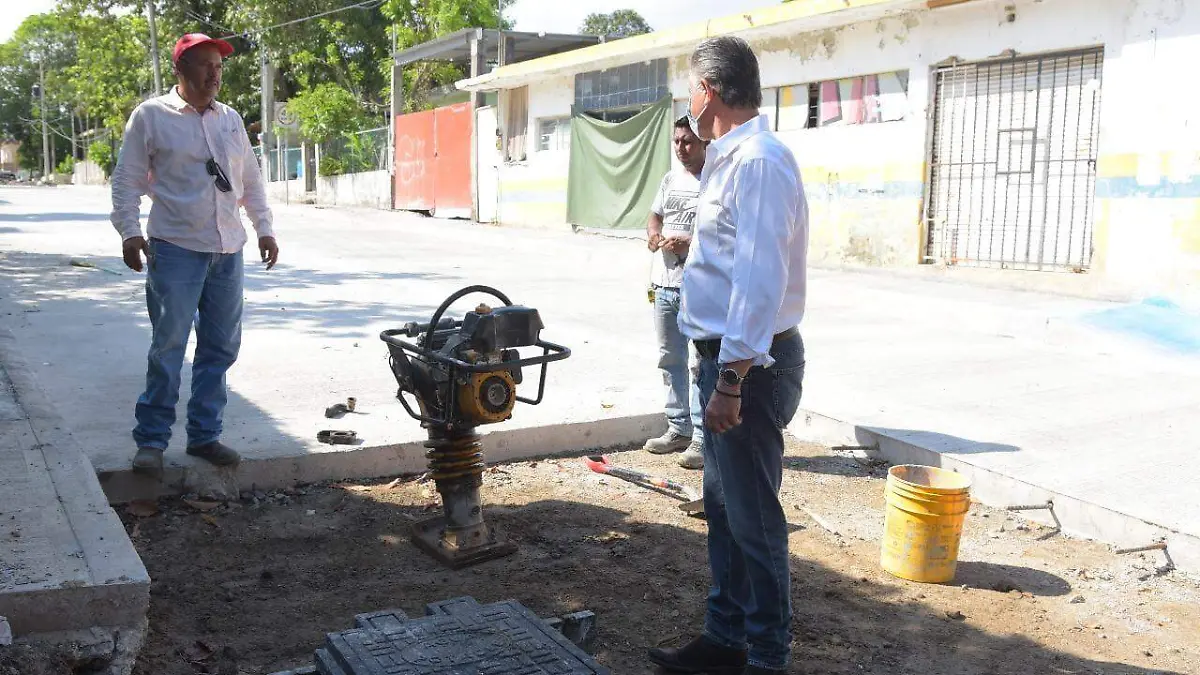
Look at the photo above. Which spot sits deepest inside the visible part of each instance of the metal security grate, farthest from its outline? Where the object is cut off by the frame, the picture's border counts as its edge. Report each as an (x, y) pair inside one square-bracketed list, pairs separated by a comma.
[(1012, 168), (631, 86)]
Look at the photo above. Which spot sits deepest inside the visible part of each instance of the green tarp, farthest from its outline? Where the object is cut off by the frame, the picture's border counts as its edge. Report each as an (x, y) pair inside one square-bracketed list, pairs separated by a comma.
[(617, 167)]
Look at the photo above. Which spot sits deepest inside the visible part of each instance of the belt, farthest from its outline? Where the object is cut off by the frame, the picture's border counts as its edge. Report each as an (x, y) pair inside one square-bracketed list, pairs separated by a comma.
[(711, 349)]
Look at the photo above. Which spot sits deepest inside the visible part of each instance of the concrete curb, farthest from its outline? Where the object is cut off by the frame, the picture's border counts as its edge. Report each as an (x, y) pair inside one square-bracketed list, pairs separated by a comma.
[(117, 589), (505, 445), (1078, 517)]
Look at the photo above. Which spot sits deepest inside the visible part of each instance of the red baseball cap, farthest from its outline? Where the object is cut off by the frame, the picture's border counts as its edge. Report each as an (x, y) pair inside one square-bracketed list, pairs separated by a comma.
[(195, 39)]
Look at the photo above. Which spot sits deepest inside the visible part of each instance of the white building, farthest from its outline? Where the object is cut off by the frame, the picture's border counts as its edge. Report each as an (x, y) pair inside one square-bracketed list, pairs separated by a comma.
[(1044, 135)]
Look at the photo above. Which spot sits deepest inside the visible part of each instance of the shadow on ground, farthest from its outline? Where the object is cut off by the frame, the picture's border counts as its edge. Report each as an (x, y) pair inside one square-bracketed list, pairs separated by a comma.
[(263, 586), (88, 323), (832, 465), (46, 279), (269, 582), (1008, 578), (939, 442), (42, 217)]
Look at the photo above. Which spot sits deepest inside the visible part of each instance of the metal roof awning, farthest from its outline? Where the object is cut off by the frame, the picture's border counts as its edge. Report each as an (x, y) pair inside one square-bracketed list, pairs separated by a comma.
[(456, 47), (774, 21)]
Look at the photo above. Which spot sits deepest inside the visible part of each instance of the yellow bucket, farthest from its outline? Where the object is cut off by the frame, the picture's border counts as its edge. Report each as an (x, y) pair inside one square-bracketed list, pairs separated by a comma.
[(923, 524)]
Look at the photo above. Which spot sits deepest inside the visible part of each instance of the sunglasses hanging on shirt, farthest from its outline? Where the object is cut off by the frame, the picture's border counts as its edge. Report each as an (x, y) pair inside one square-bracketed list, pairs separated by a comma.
[(222, 181)]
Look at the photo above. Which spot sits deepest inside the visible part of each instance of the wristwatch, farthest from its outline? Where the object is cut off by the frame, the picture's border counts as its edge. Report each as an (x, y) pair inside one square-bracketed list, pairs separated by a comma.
[(730, 378)]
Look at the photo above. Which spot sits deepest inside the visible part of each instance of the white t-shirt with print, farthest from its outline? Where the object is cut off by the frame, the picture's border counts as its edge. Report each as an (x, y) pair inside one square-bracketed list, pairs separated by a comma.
[(676, 204)]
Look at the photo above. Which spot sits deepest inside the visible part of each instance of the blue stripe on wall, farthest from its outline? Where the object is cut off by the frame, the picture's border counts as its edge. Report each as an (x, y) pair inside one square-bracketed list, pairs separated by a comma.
[(1124, 187)]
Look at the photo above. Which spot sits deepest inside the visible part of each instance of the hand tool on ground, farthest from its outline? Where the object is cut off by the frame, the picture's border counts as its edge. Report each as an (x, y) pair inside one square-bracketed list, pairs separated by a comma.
[(338, 410), (337, 437), (693, 503), (464, 374), (75, 262)]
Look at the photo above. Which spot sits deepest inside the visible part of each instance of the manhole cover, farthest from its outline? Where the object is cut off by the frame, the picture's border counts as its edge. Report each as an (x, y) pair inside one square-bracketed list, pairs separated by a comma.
[(458, 637)]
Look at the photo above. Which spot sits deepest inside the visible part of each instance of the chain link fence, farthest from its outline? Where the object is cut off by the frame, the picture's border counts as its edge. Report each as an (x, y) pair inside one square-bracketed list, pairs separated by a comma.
[(355, 153), (282, 163)]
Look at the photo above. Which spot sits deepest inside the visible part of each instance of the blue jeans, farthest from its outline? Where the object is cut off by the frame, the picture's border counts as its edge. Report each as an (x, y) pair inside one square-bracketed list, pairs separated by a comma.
[(749, 603), (684, 414), (185, 287)]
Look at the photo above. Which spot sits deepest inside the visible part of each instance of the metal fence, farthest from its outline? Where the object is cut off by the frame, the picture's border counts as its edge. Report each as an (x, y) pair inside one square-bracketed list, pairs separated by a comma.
[(1013, 162), (282, 160), (355, 153)]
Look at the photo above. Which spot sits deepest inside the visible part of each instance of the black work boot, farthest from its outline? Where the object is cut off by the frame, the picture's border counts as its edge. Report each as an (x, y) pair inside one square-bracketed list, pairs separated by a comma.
[(701, 655), (149, 462), (758, 670), (215, 453)]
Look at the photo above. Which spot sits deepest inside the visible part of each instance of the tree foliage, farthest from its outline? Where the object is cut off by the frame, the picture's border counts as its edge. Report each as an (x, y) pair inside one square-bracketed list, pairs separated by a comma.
[(419, 21), (101, 153), (96, 57), (619, 24), (111, 73), (326, 111), (43, 47)]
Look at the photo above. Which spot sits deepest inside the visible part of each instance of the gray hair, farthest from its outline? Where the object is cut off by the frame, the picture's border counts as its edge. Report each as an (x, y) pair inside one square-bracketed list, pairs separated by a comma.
[(729, 66)]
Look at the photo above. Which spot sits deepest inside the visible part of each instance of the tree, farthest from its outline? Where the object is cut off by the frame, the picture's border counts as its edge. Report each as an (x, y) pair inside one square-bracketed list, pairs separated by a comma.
[(419, 21), (101, 153), (619, 24), (96, 55), (42, 47), (344, 48), (111, 73), (325, 111)]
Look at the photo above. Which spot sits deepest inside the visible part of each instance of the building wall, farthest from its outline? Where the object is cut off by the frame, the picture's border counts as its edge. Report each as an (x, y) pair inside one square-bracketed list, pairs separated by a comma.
[(290, 191), (533, 192), (1148, 192), (368, 188), (9, 156), (88, 173), (866, 183)]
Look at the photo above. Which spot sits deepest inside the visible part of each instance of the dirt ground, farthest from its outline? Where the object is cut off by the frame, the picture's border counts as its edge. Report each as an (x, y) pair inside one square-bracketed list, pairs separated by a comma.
[(251, 588)]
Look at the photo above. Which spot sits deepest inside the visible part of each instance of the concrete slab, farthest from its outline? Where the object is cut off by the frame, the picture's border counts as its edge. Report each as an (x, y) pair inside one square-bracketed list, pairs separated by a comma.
[(65, 561), (311, 337), (1037, 394)]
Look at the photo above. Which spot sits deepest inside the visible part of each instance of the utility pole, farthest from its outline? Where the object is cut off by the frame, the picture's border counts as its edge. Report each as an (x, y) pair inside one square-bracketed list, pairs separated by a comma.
[(266, 137), (158, 83), (45, 126)]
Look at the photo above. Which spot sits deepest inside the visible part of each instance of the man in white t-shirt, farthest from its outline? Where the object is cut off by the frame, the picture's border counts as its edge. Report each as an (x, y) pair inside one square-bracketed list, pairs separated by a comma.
[(670, 234)]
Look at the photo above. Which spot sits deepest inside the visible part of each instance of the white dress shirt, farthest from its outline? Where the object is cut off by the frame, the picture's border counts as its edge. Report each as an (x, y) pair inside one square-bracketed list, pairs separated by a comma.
[(164, 155), (745, 276)]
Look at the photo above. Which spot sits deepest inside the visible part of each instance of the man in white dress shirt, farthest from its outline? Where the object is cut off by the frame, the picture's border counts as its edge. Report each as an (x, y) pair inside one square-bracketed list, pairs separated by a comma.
[(743, 298), (192, 156)]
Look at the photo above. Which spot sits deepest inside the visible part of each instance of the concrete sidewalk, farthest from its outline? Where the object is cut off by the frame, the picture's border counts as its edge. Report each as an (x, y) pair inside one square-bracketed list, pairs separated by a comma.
[(1037, 396), (65, 561)]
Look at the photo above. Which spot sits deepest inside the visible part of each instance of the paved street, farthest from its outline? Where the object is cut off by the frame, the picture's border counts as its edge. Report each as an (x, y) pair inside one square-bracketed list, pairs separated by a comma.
[(1018, 384)]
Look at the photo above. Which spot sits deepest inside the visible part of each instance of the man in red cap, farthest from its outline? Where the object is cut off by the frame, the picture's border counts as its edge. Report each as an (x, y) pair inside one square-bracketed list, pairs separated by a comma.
[(192, 156)]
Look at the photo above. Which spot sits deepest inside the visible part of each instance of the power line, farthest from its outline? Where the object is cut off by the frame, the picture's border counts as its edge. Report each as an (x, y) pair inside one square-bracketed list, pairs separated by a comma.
[(196, 17), (365, 4), (49, 125)]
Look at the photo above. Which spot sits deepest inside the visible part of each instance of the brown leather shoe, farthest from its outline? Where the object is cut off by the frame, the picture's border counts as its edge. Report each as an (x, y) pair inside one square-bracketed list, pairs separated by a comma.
[(701, 655), (215, 453), (149, 462)]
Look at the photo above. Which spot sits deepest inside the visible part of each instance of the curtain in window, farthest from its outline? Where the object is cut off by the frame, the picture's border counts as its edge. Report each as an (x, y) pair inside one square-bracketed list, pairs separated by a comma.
[(516, 124)]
